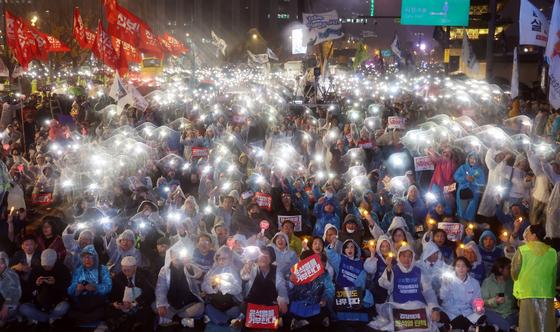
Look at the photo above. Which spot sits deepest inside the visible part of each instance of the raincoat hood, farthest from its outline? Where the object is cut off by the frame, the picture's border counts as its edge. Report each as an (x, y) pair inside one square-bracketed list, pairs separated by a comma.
[(144, 203), (90, 250), (327, 227), (485, 234), (474, 247), (285, 236), (476, 157), (380, 240), (402, 249), (358, 252), (398, 222), (429, 249)]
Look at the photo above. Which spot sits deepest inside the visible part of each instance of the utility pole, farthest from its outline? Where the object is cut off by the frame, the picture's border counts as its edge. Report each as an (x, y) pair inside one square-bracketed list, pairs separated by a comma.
[(490, 41)]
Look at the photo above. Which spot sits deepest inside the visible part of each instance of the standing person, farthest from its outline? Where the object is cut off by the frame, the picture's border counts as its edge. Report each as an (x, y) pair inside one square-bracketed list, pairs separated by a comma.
[(470, 180), (444, 167), (533, 270), (497, 292)]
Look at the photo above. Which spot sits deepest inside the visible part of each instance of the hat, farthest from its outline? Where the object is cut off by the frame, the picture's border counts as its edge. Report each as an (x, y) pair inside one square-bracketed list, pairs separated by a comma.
[(128, 261), (48, 257)]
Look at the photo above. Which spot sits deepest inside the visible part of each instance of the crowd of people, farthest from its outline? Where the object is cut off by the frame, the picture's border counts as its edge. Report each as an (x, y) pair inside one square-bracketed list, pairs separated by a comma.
[(383, 210)]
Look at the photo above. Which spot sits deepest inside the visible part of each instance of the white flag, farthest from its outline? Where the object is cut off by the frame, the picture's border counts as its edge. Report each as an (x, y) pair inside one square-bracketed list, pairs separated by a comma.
[(468, 57), (272, 55), (515, 75), (118, 88), (553, 33), (395, 47), (219, 43), (553, 57), (258, 59), (533, 25), (322, 27)]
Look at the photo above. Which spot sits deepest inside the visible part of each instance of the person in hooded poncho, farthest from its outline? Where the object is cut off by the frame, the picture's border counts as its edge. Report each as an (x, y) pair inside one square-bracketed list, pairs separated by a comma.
[(10, 291), (432, 264), (489, 250), (444, 167), (399, 233), (88, 290), (177, 290), (122, 246), (471, 179), (407, 285), (472, 253), (223, 288), (398, 211), (349, 272), (496, 162), (446, 247), (414, 205), (284, 255), (376, 264)]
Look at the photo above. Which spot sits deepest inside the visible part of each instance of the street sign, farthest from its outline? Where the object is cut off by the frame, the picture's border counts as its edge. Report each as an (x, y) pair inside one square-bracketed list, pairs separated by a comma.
[(435, 12)]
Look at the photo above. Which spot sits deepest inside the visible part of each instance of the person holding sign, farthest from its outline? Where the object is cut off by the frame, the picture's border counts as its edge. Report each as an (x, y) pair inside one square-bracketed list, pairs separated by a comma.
[(407, 286), (350, 276), (264, 284), (471, 179), (309, 300)]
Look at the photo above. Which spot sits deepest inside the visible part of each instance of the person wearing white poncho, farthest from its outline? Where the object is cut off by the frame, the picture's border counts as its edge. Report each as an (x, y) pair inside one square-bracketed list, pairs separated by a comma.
[(408, 287)]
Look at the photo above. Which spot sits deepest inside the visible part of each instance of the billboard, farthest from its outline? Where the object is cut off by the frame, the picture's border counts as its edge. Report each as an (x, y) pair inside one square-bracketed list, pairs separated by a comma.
[(435, 12)]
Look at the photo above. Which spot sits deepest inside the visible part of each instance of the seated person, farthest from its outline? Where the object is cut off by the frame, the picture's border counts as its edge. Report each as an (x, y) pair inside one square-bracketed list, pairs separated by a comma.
[(10, 291), (130, 300), (23, 262), (177, 291), (91, 283), (497, 292), (203, 254), (121, 247), (50, 281)]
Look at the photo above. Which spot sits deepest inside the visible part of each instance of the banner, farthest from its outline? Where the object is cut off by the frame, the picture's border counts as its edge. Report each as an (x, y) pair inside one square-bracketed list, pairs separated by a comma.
[(453, 230), (307, 270), (533, 25), (197, 152), (396, 122), (322, 27), (468, 58), (515, 75), (261, 317), (553, 57), (264, 201), (122, 24), (423, 163), (348, 299), (83, 35), (103, 48), (410, 320), (296, 220)]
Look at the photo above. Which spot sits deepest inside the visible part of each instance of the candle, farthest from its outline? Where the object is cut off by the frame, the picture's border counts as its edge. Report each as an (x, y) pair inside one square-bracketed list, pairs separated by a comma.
[(391, 255), (505, 233), (462, 246), (371, 243), (471, 226)]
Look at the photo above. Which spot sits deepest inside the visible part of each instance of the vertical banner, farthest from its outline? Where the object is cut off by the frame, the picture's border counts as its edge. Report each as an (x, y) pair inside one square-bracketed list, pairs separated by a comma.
[(533, 25)]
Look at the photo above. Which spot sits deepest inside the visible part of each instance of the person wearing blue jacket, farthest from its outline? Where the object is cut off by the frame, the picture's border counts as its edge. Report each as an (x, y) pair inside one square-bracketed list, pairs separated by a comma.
[(471, 179), (489, 250), (349, 272), (324, 211), (398, 211), (91, 283)]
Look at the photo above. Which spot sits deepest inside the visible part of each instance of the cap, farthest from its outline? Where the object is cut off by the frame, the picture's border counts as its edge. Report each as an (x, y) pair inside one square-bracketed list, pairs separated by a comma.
[(48, 257), (128, 261)]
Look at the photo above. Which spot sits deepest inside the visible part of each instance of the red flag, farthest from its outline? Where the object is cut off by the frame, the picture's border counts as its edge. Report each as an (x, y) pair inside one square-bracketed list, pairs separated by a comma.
[(56, 45), (131, 54), (172, 45), (123, 61), (122, 23), (149, 42), (40, 51), (83, 35), (17, 39), (103, 48)]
